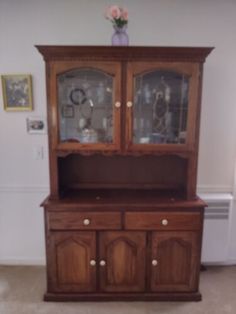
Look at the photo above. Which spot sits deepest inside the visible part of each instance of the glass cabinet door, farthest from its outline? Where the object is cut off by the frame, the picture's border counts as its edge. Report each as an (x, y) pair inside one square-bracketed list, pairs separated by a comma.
[(88, 107), (159, 108)]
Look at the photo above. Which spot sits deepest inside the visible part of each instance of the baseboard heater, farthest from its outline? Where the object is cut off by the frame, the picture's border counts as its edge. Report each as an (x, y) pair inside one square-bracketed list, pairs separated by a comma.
[(216, 229)]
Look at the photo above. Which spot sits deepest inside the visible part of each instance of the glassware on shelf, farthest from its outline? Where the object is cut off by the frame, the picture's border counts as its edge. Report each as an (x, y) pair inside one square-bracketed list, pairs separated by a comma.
[(89, 136)]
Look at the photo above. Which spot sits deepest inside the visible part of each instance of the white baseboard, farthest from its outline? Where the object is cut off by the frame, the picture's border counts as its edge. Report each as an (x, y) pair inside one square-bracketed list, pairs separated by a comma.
[(224, 263), (45, 189), (22, 261), (24, 189), (214, 189)]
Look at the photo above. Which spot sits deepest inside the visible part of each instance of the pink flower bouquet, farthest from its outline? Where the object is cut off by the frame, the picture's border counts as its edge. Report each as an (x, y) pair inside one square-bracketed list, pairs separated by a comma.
[(117, 15)]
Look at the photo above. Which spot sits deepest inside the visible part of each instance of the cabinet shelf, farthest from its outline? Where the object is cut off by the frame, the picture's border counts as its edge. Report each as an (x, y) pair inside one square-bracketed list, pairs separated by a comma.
[(175, 151)]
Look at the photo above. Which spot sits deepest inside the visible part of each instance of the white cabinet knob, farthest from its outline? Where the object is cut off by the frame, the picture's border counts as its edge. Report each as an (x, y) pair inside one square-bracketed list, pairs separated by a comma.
[(86, 222), (129, 104), (102, 263), (154, 262), (164, 222), (92, 262), (117, 104)]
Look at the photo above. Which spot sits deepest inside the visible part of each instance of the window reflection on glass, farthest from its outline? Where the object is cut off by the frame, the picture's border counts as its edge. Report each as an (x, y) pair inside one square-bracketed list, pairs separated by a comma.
[(160, 107), (85, 98)]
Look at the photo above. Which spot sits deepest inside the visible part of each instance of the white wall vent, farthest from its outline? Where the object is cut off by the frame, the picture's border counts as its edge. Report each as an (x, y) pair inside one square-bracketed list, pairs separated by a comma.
[(216, 229)]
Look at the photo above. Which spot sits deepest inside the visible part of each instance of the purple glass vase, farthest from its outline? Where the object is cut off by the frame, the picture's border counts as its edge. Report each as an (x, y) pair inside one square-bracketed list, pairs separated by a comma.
[(120, 37)]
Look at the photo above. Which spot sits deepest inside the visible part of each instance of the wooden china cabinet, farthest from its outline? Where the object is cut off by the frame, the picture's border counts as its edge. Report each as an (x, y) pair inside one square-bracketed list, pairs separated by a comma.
[(123, 221)]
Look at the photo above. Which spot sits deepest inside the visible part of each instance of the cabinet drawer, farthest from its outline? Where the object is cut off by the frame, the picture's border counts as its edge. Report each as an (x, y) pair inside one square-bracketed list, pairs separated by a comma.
[(163, 221), (84, 220)]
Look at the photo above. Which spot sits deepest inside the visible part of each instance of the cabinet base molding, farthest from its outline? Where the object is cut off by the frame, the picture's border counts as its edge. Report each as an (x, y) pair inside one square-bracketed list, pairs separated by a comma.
[(61, 297)]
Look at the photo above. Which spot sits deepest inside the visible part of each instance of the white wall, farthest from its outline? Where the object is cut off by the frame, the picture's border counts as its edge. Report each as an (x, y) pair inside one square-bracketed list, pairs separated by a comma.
[(24, 23)]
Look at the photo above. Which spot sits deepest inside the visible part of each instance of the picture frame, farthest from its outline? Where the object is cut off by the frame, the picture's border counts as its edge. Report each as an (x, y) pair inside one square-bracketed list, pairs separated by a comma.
[(17, 92), (67, 111), (36, 125)]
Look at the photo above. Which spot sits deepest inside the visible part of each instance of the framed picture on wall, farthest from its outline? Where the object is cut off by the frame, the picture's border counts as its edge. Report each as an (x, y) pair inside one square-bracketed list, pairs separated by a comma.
[(36, 125), (17, 92)]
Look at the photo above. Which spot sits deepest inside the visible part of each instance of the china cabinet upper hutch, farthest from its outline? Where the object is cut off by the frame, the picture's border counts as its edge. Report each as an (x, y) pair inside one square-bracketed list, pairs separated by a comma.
[(123, 221)]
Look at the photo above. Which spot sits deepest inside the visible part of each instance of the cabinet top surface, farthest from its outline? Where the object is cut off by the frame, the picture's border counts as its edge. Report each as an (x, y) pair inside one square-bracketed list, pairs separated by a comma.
[(197, 54), (117, 199)]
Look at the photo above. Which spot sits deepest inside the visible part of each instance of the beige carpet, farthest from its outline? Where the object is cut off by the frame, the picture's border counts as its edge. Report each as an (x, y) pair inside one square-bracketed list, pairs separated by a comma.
[(22, 288)]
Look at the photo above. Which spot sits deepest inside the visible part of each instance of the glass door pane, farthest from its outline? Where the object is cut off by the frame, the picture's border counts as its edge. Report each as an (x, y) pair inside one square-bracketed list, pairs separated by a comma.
[(160, 107), (85, 101)]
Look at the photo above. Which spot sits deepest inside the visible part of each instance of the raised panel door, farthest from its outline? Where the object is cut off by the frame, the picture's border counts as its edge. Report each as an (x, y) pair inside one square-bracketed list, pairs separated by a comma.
[(174, 263), (122, 261), (73, 255)]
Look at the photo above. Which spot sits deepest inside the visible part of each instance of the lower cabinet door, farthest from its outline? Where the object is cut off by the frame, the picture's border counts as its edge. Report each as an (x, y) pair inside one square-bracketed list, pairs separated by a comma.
[(73, 266), (122, 261), (175, 261)]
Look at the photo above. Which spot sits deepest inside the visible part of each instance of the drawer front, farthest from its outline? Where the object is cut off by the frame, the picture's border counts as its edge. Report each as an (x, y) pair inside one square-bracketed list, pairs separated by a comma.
[(84, 220), (162, 221)]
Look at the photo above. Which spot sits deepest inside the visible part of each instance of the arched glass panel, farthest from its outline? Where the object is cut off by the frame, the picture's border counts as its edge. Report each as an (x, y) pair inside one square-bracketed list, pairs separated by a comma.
[(160, 107), (85, 98)]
